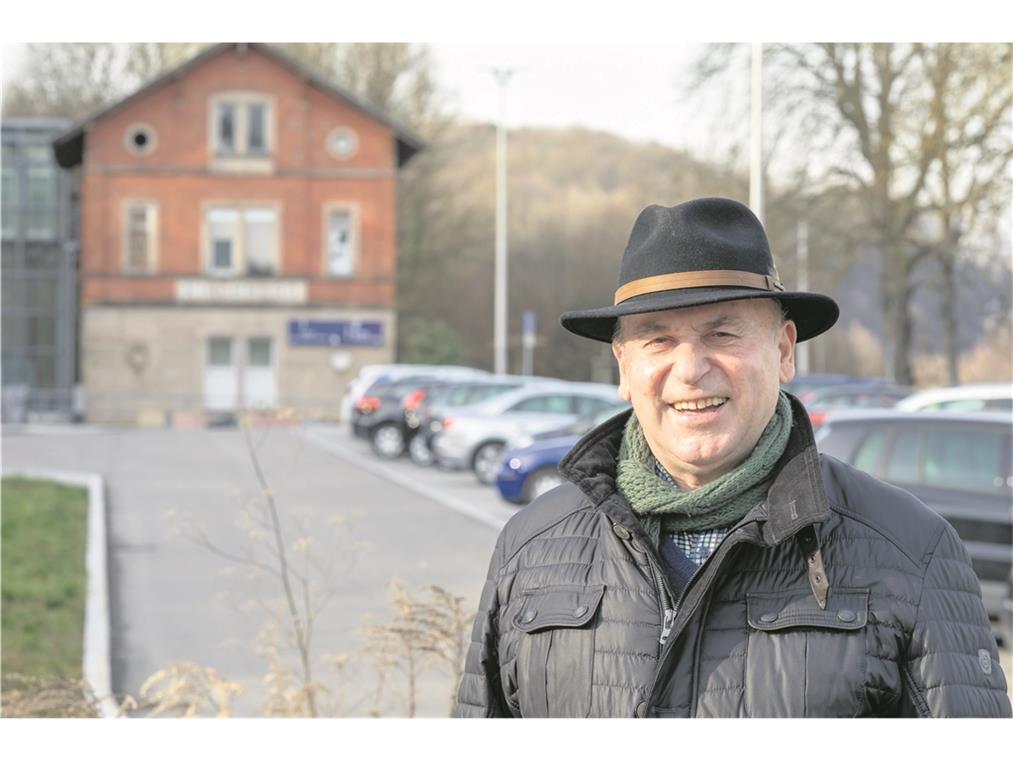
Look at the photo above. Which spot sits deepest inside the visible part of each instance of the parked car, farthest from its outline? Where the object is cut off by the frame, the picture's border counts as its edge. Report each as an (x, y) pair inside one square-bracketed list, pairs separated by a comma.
[(528, 471), (474, 438), (871, 395), (427, 417), (957, 463), (973, 397), (372, 374), (803, 385), (379, 415)]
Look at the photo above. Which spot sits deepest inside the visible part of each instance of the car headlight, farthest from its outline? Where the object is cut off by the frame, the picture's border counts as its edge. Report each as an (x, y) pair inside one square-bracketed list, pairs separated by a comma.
[(514, 463)]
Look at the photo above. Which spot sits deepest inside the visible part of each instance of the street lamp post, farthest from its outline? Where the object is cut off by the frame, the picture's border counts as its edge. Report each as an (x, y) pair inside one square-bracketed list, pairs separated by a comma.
[(756, 134), (802, 279), (500, 296)]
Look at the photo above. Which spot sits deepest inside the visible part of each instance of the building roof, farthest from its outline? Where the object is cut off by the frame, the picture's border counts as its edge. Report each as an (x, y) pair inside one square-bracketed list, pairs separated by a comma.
[(69, 146)]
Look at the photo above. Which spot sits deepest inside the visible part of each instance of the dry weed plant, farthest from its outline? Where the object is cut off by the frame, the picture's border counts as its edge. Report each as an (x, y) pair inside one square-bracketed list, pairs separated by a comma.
[(46, 697), (285, 696), (188, 690), (426, 631), (279, 546)]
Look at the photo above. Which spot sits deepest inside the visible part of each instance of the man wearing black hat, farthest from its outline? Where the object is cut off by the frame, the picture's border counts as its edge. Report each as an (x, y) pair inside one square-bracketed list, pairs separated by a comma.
[(704, 559)]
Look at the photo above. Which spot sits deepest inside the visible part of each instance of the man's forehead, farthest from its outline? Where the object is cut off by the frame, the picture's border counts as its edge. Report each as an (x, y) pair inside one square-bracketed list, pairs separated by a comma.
[(707, 314)]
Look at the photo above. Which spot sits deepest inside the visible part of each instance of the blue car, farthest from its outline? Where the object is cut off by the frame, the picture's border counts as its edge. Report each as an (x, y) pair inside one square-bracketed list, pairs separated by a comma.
[(526, 472)]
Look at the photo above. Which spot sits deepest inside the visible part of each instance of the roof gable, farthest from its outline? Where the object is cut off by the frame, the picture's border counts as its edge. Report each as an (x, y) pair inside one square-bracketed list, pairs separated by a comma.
[(69, 146)]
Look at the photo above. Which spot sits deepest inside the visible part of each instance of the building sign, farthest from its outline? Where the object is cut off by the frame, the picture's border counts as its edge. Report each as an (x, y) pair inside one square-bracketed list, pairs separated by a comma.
[(240, 291), (313, 332)]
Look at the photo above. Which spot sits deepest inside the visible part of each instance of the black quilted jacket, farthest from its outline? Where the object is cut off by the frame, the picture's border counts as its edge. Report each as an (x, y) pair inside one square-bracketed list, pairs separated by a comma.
[(576, 606)]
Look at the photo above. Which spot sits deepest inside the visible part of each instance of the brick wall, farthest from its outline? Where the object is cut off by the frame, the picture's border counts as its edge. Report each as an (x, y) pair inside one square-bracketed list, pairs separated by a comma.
[(177, 176)]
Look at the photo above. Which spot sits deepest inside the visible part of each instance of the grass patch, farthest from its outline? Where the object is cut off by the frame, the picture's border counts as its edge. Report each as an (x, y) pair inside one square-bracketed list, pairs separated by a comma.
[(43, 582)]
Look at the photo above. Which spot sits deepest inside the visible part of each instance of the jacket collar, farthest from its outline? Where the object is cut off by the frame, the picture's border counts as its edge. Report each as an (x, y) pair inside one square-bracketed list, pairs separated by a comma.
[(796, 497)]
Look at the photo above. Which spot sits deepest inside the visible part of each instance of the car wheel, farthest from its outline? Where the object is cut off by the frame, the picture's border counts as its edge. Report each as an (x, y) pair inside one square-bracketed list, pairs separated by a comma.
[(486, 462), (420, 452), (388, 441), (541, 481)]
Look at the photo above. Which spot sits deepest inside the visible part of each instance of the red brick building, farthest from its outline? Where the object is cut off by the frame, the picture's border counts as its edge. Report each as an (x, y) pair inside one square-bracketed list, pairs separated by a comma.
[(238, 242)]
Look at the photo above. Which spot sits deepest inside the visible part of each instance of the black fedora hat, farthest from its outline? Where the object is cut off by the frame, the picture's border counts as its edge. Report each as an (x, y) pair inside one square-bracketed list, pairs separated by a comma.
[(703, 251)]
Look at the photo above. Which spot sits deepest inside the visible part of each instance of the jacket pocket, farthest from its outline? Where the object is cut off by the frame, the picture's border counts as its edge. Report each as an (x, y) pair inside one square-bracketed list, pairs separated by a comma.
[(805, 661), (556, 650)]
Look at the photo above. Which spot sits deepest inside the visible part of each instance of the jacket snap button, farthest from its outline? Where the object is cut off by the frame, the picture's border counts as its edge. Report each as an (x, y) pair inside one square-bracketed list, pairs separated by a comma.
[(580, 611), (528, 616), (620, 531), (642, 710), (768, 617), (846, 616)]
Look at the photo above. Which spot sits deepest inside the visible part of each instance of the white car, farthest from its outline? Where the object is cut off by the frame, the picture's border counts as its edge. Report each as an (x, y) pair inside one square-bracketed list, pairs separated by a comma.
[(475, 437), (973, 397)]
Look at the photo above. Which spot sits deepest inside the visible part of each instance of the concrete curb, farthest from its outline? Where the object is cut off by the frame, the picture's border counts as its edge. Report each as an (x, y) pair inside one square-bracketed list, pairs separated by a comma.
[(96, 664)]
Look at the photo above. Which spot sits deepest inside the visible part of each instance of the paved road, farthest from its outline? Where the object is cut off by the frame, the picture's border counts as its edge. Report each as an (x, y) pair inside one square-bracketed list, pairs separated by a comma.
[(174, 600)]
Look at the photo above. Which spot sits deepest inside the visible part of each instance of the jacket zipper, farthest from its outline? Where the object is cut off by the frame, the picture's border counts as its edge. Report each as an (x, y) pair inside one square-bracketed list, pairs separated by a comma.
[(667, 612), (714, 559)]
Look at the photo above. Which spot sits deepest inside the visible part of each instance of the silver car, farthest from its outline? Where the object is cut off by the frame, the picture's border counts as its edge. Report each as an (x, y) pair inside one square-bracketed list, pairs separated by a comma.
[(475, 437)]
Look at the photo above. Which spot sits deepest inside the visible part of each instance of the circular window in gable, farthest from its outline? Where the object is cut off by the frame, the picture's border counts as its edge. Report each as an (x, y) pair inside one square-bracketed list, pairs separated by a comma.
[(342, 142), (140, 139)]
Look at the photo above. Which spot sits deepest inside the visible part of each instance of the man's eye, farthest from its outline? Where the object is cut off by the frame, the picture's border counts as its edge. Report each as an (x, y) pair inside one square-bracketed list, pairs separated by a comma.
[(722, 335)]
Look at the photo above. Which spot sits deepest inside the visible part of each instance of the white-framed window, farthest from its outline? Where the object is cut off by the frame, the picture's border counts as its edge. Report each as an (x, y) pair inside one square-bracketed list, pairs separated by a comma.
[(140, 236), (341, 239), (241, 240), (241, 125)]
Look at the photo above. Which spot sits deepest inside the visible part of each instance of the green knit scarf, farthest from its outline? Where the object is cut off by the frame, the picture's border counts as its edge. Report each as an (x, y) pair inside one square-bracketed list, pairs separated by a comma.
[(720, 503)]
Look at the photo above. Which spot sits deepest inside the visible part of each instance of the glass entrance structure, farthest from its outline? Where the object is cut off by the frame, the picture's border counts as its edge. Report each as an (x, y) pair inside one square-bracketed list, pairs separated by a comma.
[(39, 274)]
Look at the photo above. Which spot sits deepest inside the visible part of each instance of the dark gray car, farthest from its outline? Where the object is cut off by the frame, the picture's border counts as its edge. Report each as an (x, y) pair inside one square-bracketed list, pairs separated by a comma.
[(957, 463)]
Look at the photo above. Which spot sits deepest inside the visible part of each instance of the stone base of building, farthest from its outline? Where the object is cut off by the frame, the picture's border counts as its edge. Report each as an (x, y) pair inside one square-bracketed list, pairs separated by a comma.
[(188, 367)]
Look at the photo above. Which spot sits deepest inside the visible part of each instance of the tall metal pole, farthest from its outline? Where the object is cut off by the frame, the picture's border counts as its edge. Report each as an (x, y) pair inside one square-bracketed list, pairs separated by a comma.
[(500, 297), (756, 134), (802, 269)]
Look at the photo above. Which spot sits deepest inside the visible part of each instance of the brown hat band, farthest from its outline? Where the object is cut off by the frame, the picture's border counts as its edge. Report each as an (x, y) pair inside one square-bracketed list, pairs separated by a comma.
[(706, 279)]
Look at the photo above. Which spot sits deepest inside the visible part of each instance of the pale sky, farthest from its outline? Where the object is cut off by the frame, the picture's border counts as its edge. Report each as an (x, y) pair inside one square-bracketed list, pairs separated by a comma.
[(631, 90), (608, 66)]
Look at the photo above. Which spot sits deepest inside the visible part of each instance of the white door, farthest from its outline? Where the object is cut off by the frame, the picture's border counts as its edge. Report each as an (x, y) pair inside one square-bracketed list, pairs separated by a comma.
[(220, 375), (260, 389)]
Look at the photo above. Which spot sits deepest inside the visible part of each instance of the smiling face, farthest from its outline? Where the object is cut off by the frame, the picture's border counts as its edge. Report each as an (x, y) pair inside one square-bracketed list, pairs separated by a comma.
[(704, 381)]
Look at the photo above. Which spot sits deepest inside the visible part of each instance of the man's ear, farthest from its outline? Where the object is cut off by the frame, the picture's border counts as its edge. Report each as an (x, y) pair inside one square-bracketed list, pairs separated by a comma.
[(786, 348), (624, 386)]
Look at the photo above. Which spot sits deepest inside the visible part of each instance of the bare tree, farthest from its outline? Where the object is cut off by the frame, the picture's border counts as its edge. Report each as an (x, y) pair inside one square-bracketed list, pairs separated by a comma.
[(971, 94), (147, 60), (66, 80), (868, 117)]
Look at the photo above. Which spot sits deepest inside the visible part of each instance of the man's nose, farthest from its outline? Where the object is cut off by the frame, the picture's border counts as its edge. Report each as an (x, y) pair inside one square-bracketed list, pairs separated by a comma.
[(690, 362)]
